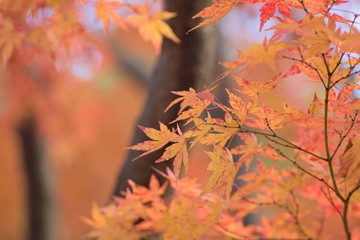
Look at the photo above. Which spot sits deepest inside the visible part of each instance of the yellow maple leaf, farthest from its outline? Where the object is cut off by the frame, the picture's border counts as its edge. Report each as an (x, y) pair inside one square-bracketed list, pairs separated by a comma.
[(222, 131), (196, 102), (152, 27), (158, 140), (266, 53), (178, 150), (223, 172), (105, 13), (350, 161), (202, 128), (180, 221), (315, 106), (186, 98), (251, 58), (10, 39)]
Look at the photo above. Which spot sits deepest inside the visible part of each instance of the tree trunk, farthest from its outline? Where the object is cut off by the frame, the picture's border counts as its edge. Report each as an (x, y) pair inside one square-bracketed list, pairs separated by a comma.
[(39, 184), (192, 63)]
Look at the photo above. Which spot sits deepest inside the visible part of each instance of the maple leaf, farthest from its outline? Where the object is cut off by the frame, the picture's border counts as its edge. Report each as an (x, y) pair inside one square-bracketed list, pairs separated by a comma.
[(158, 140), (264, 116), (350, 161), (144, 194), (239, 108), (349, 42), (180, 221), (268, 10), (215, 12), (202, 128), (111, 222), (99, 220), (222, 131), (10, 39), (315, 34), (320, 6), (294, 115), (152, 27), (345, 94), (341, 73), (314, 67), (318, 168), (105, 13), (251, 58), (117, 219), (223, 171), (285, 26), (178, 150), (315, 106), (187, 98), (197, 103), (251, 148), (248, 149), (253, 89), (232, 226), (231, 66)]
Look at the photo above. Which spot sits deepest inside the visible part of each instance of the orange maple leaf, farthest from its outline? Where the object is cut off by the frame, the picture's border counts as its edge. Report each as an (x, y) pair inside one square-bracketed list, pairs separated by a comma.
[(251, 58), (250, 148), (253, 89), (215, 12), (350, 41), (268, 10), (105, 13), (152, 27), (10, 39)]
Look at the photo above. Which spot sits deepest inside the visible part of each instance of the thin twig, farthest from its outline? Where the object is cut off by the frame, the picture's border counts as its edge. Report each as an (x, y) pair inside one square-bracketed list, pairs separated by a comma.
[(301, 168), (331, 201), (342, 137)]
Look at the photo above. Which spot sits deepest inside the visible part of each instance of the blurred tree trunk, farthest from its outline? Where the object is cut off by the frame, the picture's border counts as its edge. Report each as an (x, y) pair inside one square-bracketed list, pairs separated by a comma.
[(38, 182), (192, 63)]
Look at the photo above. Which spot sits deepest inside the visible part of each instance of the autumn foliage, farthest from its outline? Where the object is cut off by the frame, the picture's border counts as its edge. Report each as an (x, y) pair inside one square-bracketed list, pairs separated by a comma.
[(45, 39), (58, 70), (298, 186)]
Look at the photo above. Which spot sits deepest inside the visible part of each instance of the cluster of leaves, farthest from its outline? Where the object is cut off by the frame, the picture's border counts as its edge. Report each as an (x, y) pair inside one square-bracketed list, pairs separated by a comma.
[(319, 187), (40, 42), (48, 26), (152, 26)]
